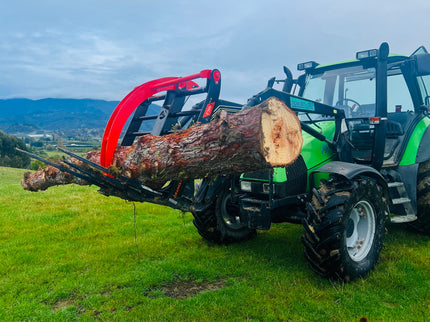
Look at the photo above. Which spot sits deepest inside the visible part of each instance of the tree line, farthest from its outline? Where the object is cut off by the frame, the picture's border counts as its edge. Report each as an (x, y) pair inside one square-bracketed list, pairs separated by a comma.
[(9, 156)]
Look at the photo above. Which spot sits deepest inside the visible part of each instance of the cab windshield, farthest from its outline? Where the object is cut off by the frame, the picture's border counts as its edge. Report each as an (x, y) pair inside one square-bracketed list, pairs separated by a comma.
[(352, 89)]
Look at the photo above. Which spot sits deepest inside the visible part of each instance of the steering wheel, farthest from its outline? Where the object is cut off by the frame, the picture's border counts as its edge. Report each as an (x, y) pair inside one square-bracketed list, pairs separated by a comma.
[(354, 108)]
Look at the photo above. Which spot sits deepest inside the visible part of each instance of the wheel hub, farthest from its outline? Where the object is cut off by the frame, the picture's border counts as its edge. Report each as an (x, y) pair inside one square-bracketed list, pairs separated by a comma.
[(360, 231)]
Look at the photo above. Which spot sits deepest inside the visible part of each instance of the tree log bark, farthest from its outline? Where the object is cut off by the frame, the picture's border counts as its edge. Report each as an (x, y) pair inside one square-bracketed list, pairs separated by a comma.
[(267, 135)]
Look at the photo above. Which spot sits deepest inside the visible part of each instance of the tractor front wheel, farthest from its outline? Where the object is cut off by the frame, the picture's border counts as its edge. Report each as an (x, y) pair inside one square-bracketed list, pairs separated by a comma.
[(345, 227), (221, 223)]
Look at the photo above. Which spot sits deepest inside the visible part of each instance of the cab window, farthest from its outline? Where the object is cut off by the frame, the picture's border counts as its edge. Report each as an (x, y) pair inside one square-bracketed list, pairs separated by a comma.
[(424, 83), (398, 96)]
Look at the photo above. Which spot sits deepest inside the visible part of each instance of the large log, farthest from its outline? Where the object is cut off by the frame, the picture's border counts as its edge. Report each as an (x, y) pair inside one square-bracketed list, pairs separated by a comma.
[(266, 135)]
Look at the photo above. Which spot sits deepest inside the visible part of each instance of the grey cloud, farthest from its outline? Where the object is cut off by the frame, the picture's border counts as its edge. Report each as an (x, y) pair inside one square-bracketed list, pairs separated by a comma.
[(103, 49)]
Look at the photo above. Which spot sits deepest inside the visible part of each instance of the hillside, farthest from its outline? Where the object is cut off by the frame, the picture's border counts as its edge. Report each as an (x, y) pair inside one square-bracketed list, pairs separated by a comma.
[(54, 114), (64, 117)]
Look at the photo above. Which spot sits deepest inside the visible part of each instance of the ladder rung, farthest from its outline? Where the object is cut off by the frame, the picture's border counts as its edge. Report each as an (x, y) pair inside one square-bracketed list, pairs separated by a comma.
[(395, 184), (400, 201), (403, 219)]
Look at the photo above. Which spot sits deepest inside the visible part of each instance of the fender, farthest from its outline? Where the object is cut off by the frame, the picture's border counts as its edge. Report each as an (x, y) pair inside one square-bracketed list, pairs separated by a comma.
[(349, 171)]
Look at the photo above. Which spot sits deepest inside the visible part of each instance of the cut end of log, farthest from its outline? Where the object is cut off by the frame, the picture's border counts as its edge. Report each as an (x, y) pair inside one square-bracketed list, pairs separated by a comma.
[(281, 136)]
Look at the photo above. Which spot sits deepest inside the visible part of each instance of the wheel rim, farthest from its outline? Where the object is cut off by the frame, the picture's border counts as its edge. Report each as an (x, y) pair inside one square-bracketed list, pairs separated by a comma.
[(360, 230), (229, 212)]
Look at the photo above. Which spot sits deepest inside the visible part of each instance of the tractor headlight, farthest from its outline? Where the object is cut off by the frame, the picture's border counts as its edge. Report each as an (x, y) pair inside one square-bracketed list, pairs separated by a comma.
[(245, 186), (372, 53), (307, 66)]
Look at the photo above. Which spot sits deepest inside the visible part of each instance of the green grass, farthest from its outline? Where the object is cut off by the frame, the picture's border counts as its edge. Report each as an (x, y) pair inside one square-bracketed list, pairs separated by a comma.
[(69, 253)]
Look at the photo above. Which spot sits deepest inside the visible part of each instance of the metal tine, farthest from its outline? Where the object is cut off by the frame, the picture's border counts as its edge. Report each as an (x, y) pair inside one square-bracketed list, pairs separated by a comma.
[(88, 177), (133, 184), (93, 164), (101, 181), (58, 166), (114, 182)]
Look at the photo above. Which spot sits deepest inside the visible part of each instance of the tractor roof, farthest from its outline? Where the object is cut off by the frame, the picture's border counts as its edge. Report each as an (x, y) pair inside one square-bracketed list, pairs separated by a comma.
[(392, 58)]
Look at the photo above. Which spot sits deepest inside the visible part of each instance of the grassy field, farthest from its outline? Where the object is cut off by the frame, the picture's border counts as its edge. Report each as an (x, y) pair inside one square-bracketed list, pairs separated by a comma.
[(70, 253)]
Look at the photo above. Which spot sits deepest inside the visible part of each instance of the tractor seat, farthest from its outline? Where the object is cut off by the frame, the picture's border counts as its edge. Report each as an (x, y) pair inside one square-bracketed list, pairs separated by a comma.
[(394, 129), (361, 135)]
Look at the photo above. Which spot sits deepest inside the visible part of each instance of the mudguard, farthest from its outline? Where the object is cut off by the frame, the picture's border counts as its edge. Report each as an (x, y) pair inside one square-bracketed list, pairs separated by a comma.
[(348, 171)]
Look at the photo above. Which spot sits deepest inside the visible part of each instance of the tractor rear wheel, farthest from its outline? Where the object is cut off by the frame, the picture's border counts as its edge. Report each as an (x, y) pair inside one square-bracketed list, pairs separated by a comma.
[(221, 223), (422, 224), (344, 228)]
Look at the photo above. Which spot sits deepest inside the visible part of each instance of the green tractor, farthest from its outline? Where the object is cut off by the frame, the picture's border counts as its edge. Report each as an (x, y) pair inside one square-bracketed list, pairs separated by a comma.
[(364, 162)]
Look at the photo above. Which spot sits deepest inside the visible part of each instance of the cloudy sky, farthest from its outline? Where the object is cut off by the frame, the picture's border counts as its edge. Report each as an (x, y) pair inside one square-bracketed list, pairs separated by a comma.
[(104, 48)]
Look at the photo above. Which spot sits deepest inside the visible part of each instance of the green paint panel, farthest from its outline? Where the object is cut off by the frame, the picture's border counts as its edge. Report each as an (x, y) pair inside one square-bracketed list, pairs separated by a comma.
[(410, 155), (314, 152), (279, 175)]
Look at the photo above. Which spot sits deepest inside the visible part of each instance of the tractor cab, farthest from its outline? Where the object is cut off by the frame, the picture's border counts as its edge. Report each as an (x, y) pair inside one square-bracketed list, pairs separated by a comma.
[(383, 97)]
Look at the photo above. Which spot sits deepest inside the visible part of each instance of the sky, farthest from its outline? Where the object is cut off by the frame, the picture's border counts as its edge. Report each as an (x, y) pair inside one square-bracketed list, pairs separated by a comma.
[(102, 49)]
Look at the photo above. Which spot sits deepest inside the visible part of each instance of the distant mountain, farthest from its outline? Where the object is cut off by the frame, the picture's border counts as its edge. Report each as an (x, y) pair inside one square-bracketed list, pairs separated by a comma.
[(21, 128), (55, 114), (25, 116)]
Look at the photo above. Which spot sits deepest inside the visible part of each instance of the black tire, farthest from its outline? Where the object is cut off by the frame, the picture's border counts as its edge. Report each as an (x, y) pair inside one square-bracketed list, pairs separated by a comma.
[(344, 228), (220, 223), (422, 224)]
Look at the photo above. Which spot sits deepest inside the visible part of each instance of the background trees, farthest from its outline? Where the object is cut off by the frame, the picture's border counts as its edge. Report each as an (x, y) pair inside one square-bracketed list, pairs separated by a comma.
[(9, 157)]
